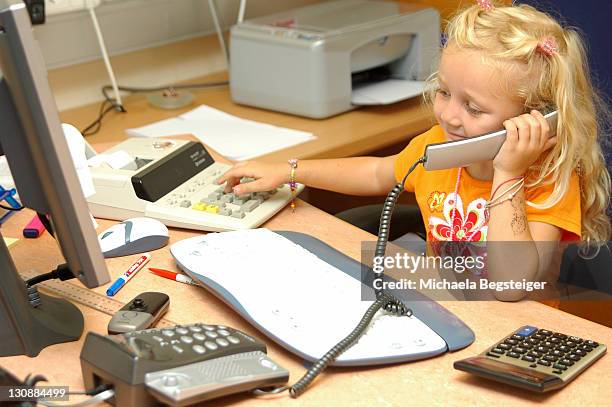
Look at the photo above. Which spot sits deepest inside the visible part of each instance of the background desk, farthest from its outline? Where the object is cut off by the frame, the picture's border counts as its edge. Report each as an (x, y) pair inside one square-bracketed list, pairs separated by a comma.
[(355, 133), (431, 382), (374, 130)]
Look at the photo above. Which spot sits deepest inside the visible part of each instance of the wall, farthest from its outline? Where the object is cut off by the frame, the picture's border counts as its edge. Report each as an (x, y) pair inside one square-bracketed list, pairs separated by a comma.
[(152, 42)]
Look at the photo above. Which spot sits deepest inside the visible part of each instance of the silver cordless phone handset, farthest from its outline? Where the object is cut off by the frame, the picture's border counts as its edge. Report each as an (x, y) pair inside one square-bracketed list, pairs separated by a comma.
[(453, 154)]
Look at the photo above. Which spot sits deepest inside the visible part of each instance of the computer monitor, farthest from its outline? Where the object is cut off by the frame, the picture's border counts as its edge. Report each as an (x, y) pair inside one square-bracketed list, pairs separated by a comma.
[(32, 139)]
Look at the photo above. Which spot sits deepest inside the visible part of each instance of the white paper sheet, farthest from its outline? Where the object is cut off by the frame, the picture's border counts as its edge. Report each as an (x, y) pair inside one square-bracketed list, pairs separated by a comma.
[(233, 137), (386, 92)]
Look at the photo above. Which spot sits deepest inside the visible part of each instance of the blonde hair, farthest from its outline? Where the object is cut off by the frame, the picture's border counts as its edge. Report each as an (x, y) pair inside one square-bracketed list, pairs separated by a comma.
[(509, 38)]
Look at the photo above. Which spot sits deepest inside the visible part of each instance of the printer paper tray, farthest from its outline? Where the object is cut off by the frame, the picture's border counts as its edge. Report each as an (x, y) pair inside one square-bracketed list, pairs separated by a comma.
[(385, 92)]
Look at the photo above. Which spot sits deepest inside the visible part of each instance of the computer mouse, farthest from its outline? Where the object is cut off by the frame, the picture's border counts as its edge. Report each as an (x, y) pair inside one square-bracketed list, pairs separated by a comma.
[(136, 235)]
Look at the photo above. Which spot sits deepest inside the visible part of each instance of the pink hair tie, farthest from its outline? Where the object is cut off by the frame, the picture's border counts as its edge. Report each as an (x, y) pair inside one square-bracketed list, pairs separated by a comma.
[(485, 5), (547, 46)]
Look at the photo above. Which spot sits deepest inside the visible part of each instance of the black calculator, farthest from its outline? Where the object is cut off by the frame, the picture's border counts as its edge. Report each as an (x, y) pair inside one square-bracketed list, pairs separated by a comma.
[(535, 359)]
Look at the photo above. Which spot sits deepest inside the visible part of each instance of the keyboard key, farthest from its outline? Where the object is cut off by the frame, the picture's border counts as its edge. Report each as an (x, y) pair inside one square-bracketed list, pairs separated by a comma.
[(571, 344), (542, 349), (511, 342), (513, 355), (575, 339), (212, 209), (498, 351), (574, 358), (504, 346), (564, 348), (579, 352), (238, 214), (520, 350), (528, 358), (585, 348), (211, 345), (557, 353), (543, 362), (592, 344), (250, 205), (199, 207), (550, 358), (185, 203), (559, 367), (214, 196), (566, 362), (527, 331), (227, 198), (240, 200), (493, 355), (545, 332), (560, 336), (555, 340)]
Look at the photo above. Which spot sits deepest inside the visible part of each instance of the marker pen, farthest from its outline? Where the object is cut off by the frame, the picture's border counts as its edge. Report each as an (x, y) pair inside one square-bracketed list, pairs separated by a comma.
[(134, 268), (34, 228)]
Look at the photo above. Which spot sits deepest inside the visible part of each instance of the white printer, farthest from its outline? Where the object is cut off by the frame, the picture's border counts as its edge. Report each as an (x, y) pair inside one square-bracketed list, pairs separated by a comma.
[(327, 58)]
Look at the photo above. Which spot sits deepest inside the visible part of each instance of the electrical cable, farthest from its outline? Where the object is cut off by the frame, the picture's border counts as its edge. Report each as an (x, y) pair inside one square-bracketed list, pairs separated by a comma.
[(10, 208), (213, 11), (383, 300), (104, 395), (95, 126)]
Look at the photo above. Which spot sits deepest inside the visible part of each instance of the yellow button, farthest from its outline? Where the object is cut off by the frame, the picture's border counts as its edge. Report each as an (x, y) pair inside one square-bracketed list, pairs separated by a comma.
[(212, 209), (199, 207)]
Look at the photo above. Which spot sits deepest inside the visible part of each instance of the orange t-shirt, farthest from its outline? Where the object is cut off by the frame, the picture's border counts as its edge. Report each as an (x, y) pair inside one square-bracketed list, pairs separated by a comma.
[(435, 192)]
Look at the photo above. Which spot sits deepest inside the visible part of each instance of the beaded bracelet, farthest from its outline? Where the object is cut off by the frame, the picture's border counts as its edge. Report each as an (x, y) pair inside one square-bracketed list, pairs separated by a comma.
[(293, 163)]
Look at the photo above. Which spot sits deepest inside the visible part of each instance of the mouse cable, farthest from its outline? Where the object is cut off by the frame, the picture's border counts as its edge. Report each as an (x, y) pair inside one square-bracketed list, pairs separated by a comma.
[(383, 300), (95, 126)]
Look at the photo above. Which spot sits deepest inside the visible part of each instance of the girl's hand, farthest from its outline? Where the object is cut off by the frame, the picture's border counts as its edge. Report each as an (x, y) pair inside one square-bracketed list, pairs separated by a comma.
[(528, 136), (267, 177)]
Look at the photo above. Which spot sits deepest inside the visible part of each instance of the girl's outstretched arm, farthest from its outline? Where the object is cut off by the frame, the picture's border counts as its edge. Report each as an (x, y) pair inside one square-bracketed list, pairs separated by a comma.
[(352, 176)]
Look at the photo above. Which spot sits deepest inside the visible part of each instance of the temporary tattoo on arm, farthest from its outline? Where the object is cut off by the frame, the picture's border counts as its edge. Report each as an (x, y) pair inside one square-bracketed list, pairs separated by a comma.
[(519, 219)]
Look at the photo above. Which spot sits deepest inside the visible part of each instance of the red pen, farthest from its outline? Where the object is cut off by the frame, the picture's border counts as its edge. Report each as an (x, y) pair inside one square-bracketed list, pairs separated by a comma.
[(173, 276)]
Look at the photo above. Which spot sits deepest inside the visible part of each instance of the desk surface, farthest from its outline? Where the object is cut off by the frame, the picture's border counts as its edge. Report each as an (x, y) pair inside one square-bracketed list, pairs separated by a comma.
[(427, 382), (355, 133)]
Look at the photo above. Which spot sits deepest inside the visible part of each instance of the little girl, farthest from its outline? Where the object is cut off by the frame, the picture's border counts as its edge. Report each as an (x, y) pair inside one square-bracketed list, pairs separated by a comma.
[(500, 67)]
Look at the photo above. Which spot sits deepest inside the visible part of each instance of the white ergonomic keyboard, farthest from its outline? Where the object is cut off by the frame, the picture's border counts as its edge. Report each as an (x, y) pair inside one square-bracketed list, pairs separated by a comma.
[(299, 300)]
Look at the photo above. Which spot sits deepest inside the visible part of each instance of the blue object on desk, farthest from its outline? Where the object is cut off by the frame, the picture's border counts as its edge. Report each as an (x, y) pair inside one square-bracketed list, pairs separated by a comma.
[(8, 196)]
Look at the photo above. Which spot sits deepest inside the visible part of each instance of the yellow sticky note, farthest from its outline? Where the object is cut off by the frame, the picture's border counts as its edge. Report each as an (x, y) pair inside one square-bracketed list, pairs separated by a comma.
[(9, 241)]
